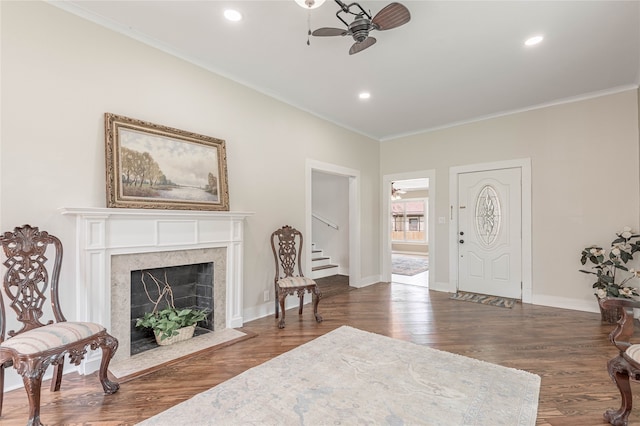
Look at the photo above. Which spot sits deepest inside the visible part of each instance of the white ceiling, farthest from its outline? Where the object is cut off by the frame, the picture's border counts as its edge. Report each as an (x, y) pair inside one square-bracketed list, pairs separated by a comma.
[(454, 62)]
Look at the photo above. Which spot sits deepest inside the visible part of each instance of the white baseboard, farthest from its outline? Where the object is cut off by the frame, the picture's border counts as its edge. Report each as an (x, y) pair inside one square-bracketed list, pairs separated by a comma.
[(367, 281), (269, 308), (566, 303)]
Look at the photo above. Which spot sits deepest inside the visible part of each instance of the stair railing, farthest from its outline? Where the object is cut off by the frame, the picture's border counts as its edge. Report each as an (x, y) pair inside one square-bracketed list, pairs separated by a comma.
[(325, 221)]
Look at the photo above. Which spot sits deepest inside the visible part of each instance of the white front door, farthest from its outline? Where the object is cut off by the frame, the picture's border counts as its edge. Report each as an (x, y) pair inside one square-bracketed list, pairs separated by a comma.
[(490, 232)]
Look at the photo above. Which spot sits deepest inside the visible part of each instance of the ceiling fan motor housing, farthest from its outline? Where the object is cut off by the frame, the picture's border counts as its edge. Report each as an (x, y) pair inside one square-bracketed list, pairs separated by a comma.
[(360, 28)]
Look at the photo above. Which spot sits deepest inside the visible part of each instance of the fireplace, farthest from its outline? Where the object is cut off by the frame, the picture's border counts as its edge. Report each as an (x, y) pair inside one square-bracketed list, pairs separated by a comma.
[(111, 243)]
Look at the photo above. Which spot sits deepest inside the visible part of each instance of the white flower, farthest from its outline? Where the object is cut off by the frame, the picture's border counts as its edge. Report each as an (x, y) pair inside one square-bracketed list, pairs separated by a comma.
[(626, 235), (615, 251), (627, 291), (596, 251), (634, 273), (601, 293)]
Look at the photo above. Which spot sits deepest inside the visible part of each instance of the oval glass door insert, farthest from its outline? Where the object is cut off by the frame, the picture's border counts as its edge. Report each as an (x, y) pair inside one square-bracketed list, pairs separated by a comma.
[(488, 217)]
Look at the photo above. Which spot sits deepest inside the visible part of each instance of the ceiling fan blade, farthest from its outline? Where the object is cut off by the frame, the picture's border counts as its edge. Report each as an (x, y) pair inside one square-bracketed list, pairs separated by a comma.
[(360, 46), (391, 16), (329, 32)]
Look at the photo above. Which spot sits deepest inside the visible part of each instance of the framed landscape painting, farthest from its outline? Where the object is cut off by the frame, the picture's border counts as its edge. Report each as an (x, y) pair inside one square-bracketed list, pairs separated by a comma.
[(158, 167)]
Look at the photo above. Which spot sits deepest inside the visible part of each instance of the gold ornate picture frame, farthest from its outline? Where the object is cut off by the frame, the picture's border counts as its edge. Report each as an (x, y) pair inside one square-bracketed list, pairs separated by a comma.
[(157, 167)]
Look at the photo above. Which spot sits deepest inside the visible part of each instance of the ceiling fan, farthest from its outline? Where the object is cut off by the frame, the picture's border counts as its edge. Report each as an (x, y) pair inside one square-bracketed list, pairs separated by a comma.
[(391, 16)]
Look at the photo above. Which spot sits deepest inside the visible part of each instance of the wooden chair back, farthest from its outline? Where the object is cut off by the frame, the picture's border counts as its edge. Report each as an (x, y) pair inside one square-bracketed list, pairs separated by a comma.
[(27, 278), (288, 254)]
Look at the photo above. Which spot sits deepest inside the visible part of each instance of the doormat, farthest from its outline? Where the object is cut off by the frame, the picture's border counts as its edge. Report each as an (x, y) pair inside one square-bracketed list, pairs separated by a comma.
[(485, 299)]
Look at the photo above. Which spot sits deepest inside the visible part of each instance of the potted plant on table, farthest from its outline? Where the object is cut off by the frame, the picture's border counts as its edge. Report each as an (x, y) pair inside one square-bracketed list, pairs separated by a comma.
[(607, 267), (170, 324)]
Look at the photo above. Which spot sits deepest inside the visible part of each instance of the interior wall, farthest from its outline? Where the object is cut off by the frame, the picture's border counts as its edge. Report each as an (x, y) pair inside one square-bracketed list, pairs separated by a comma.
[(331, 201), (585, 187), (61, 73)]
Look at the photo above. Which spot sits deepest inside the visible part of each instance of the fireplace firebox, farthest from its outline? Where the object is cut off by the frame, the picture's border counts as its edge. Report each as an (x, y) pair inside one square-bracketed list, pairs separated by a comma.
[(191, 287)]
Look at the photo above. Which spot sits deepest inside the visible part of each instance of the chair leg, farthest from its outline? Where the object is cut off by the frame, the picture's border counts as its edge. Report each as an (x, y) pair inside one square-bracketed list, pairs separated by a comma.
[(619, 372), (2, 367), (109, 345), (32, 379), (56, 380), (276, 298), (281, 297), (301, 301), (316, 299)]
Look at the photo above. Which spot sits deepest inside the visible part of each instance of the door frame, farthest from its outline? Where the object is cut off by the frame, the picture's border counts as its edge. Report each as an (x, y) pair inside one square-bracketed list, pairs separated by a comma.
[(385, 224), (355, 272), (524, 164)]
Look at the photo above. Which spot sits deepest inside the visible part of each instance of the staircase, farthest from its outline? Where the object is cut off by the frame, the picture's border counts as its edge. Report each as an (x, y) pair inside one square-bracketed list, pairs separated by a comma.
[(321, 265)]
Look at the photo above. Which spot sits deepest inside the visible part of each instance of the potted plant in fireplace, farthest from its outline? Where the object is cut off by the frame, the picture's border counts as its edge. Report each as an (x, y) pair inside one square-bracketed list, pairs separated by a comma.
[(169, 324)]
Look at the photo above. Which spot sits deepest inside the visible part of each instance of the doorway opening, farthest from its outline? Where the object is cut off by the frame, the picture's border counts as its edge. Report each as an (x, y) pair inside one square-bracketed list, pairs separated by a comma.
[(409, 231), (340, 221)]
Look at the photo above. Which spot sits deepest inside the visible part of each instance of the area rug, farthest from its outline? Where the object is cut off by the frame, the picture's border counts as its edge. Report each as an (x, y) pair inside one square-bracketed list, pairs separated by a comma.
[(408, 265), (485, 299), (350, 376)]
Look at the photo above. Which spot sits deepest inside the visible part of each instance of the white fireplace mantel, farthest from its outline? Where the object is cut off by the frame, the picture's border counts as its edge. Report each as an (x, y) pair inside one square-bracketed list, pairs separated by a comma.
[(105, 232)]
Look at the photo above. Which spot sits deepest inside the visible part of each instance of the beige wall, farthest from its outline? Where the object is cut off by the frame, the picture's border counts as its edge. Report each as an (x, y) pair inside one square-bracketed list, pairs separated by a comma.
[(61, 73), (585, 165)]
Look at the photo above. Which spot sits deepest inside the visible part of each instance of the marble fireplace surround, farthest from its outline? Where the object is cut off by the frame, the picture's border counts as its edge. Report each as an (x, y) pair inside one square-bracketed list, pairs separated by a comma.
[(111, 239), (121, 267)]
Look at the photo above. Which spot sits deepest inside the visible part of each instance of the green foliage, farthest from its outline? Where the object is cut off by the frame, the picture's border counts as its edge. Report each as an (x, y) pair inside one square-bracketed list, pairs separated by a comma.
[(606, 265), (166, 322)]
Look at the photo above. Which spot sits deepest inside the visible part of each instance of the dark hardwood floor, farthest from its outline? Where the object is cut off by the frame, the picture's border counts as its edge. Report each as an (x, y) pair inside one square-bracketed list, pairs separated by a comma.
[(568, 349)]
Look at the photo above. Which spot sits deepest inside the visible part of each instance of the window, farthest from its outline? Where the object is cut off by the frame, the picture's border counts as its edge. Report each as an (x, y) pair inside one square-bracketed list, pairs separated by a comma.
[(408, 223)]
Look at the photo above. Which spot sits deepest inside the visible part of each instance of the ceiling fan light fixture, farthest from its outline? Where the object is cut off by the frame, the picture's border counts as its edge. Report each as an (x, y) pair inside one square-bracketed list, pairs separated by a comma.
[(310, 4)]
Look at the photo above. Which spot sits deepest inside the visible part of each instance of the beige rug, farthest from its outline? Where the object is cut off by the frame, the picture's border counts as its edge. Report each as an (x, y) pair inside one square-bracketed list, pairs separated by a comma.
[(409, 265), (350, 376)]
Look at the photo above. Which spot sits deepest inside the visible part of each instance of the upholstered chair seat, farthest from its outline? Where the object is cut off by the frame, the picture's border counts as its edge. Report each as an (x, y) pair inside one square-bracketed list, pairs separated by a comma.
[(295, 282), (51, 337)]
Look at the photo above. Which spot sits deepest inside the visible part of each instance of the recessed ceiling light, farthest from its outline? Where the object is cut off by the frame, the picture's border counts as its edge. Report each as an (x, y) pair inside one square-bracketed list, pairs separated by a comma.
[(533, 40), (232, 15), (364, 95)]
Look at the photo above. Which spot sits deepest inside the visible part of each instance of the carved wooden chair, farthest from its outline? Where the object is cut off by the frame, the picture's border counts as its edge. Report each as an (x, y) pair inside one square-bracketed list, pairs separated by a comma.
[(626, 365), (288, 258), (36, 345)]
